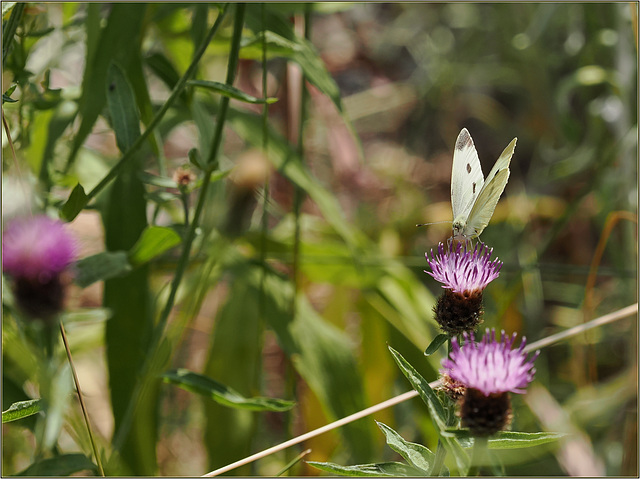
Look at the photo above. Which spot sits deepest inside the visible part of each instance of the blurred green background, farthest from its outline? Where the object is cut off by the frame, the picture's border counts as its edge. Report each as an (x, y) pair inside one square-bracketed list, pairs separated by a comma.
[(562, 78)]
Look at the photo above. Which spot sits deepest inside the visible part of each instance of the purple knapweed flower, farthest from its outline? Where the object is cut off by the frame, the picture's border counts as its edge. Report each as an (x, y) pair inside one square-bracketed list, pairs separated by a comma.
[(489, 371), (462, 270), (36, 251), (464, 275)]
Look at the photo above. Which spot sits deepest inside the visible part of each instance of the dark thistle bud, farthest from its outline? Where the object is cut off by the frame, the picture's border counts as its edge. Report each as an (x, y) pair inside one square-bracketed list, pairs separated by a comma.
[(489, 371), (36, 253), (464, 275)]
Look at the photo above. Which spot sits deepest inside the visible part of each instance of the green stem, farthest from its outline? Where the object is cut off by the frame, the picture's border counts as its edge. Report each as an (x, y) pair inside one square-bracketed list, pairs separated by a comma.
[(177, 90), (81, 399), (438, 462), (10, 29), (212, 160), (298, 193), (158, 332), (480, 447), (265, 149)]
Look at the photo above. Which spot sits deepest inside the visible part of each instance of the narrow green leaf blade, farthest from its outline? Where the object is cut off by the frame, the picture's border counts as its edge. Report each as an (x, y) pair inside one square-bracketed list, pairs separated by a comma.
[(422, 386), (416, 455), (78, 199), (100, 267), (122, 108), (381, 469), (438, 341), (508, 439), (516, 440), (21, 409), (154, 241), (205, 386), (229, 91), (63, 465)]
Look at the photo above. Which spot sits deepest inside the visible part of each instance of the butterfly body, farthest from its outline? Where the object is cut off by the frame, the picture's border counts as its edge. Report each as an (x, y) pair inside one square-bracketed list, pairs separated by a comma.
[(474, 198)]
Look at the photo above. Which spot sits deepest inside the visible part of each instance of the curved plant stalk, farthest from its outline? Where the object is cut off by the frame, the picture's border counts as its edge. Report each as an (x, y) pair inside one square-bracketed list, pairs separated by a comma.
[(175, 93), (612, 220), (210, 165), (81, 399), (549, 340)]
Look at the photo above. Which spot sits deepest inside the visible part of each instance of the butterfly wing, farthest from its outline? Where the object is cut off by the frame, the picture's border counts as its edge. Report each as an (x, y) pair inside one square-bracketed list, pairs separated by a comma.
[(466, 176), (485, 204)]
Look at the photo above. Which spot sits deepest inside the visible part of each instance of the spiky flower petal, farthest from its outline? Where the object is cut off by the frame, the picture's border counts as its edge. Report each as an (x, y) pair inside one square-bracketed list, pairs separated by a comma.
[(462, 270), (490, 366)]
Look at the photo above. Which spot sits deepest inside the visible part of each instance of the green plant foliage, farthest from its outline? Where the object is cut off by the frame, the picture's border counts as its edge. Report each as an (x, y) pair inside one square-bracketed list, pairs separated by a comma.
[(22, 409), (222, 394), (154, 241), (382, 469), (416, 455), (438, 341), (510, 439), (230, 92), (100, 267), (245, 180), (63, 465)]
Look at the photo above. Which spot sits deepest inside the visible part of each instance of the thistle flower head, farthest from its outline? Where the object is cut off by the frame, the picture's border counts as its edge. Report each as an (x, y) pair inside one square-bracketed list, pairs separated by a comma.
[(462, 270), (36, 251), (490, 366), (37, 248)]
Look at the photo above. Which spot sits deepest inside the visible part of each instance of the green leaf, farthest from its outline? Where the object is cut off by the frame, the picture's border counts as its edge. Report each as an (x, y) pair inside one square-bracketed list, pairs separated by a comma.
[(416, 455), (63, 465), (21, 409), (155, 180), (122, 108), (321, 353), (438, 341), (381, 469), (163, 69), (6, 7), (229, 91), (422, 386), (129, 329), (194, 158), (436, 409), (205, 386), (508, 439), (116, 41), (100, 267), (6, 96), (77, 200), (154, 241), (286, 44)]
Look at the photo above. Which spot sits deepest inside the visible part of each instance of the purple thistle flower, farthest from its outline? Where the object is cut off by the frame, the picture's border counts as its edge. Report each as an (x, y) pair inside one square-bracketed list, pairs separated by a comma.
[(490, 366), (37, 248), (36, 253), (463, 271)]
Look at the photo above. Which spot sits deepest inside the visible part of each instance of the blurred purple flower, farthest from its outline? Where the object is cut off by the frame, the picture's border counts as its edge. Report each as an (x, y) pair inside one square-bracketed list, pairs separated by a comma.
[(36, 253), (37, 248), (463, 271)]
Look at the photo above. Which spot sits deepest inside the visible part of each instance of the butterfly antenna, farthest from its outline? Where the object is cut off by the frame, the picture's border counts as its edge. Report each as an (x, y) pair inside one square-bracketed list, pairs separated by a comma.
[(436, 223)]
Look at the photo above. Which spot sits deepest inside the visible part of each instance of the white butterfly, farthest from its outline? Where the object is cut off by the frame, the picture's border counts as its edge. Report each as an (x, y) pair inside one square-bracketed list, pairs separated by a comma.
[(472, 198)]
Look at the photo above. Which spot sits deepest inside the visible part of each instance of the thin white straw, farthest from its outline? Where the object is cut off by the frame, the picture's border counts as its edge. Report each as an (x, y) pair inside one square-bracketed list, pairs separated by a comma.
[(607, 318)]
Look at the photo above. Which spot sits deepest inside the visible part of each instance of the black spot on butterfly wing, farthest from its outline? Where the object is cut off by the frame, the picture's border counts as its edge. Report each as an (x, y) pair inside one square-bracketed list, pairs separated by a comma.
[(112, 86), (474, 188), (468, 168)]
